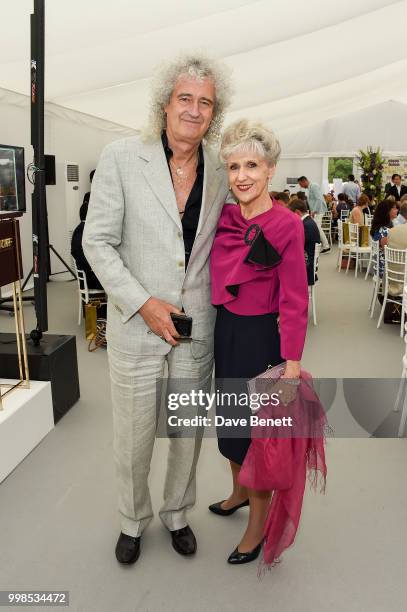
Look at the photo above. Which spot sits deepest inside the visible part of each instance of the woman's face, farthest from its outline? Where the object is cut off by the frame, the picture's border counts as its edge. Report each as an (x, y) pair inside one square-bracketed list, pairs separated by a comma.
[(393, 212), (249, 175)]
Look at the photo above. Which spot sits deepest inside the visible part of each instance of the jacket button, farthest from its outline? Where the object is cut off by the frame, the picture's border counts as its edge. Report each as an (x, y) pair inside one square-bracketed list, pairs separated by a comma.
[(179, 234), (181, 264)]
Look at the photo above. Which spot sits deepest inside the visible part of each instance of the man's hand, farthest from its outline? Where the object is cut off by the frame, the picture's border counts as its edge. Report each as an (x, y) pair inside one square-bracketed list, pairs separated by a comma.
[(156, 314)]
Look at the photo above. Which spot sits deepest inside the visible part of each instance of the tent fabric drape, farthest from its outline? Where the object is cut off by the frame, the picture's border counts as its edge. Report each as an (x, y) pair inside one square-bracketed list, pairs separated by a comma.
[(296, 65)]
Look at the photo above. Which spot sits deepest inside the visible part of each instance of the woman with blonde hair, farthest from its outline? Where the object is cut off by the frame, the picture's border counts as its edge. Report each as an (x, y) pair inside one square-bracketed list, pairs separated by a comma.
[(259, 286), (358, 213)]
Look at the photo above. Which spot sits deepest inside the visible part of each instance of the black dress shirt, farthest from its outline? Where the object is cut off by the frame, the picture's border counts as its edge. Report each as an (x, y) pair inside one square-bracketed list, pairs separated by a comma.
[(190, 218)]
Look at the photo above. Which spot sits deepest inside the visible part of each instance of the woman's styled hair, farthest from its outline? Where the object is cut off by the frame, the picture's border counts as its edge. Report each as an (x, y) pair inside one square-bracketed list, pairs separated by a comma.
[(381, 217), (250, 136), (196, 66), (363, 200)]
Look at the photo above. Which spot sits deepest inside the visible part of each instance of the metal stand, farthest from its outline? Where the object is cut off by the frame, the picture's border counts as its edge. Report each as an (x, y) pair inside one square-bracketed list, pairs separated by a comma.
[(24, 381), (68, 269), (39, 216), (10, 309)]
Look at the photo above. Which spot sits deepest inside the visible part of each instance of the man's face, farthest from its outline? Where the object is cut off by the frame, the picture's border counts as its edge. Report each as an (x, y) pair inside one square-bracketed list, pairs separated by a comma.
[(190, 109), (397, 180), (304, 183)]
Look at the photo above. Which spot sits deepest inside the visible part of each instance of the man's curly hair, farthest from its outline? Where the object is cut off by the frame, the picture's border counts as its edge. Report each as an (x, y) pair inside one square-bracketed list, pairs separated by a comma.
[(197, 66)]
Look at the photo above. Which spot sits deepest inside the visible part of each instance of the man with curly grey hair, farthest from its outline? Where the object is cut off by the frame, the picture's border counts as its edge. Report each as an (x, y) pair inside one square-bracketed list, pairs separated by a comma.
[(153, 212)]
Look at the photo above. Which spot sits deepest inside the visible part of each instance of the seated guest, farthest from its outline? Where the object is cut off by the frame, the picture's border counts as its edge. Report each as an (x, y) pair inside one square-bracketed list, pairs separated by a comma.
[(372, 202), (301, 195), (77, 250), (342, 204), (397, 189), (358, 213), (329, 200), (86, 197), (397, 239), (382, 222), (401, 219), (311, 236), (317, 206), (282, 198)]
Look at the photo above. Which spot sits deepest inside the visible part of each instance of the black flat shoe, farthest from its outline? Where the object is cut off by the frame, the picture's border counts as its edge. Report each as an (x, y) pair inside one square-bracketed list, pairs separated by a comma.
[(217, 508), (127, 549), (183, 541), (238, 558)]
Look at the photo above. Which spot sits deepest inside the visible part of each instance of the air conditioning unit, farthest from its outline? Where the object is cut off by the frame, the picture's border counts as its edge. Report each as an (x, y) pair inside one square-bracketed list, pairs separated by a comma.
[(72, 201), (292, 183)]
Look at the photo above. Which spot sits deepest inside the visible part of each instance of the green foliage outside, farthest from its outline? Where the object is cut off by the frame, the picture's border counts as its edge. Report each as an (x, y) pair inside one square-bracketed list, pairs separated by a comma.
[(340, 167)]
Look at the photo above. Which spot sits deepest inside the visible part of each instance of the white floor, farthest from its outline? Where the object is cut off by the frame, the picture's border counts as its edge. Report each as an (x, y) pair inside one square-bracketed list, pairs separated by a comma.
[(58, 521)]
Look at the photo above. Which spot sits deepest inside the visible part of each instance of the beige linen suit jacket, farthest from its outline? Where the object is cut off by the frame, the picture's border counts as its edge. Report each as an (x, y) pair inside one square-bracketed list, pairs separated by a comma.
[(397, 239), (133, 240)]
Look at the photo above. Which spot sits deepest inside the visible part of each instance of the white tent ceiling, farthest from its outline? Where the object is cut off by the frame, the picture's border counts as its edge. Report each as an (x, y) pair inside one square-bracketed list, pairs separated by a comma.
[(294, 63), (383, 125)]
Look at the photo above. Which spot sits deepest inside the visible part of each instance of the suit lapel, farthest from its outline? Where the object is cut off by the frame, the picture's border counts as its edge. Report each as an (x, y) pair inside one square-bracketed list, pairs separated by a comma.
[(212, 181), (158, 177)]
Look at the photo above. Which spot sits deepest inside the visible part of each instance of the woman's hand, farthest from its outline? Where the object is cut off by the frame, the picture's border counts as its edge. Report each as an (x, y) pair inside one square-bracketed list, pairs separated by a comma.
[(292, 369), (288, 390)]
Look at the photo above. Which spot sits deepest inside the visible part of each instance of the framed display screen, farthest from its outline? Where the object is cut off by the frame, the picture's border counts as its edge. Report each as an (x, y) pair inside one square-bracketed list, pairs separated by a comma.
[(12, 180)]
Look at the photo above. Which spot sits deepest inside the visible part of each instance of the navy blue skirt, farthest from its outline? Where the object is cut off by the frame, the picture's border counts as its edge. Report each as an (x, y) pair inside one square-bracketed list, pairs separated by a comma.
[(244, 347)]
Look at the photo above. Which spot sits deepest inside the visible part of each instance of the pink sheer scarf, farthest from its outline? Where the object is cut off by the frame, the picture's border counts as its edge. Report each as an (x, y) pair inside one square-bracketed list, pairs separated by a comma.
[(278, 460)]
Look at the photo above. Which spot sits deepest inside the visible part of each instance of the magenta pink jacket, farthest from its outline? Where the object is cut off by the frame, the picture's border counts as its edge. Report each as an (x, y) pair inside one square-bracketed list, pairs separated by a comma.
[(247, 279)]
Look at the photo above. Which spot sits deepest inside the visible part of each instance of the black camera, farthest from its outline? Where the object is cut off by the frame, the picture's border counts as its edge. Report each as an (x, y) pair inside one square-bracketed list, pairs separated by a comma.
[(183, 324)]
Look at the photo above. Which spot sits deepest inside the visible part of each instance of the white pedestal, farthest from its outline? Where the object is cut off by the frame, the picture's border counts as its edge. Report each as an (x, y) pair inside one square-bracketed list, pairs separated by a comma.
[(26, 418)]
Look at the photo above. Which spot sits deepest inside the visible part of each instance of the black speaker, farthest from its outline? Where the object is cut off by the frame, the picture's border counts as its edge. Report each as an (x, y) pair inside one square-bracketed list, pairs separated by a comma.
[(50, 170), (54, 360)]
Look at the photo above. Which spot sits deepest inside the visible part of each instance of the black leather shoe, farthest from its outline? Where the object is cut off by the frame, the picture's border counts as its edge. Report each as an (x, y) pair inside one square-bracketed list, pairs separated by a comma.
[(238, 558), (127, 549), (217, 508), (183, 540)]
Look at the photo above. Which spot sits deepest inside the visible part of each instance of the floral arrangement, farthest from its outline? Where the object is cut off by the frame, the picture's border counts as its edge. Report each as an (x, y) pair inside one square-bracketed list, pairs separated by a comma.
[(371, 162)]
